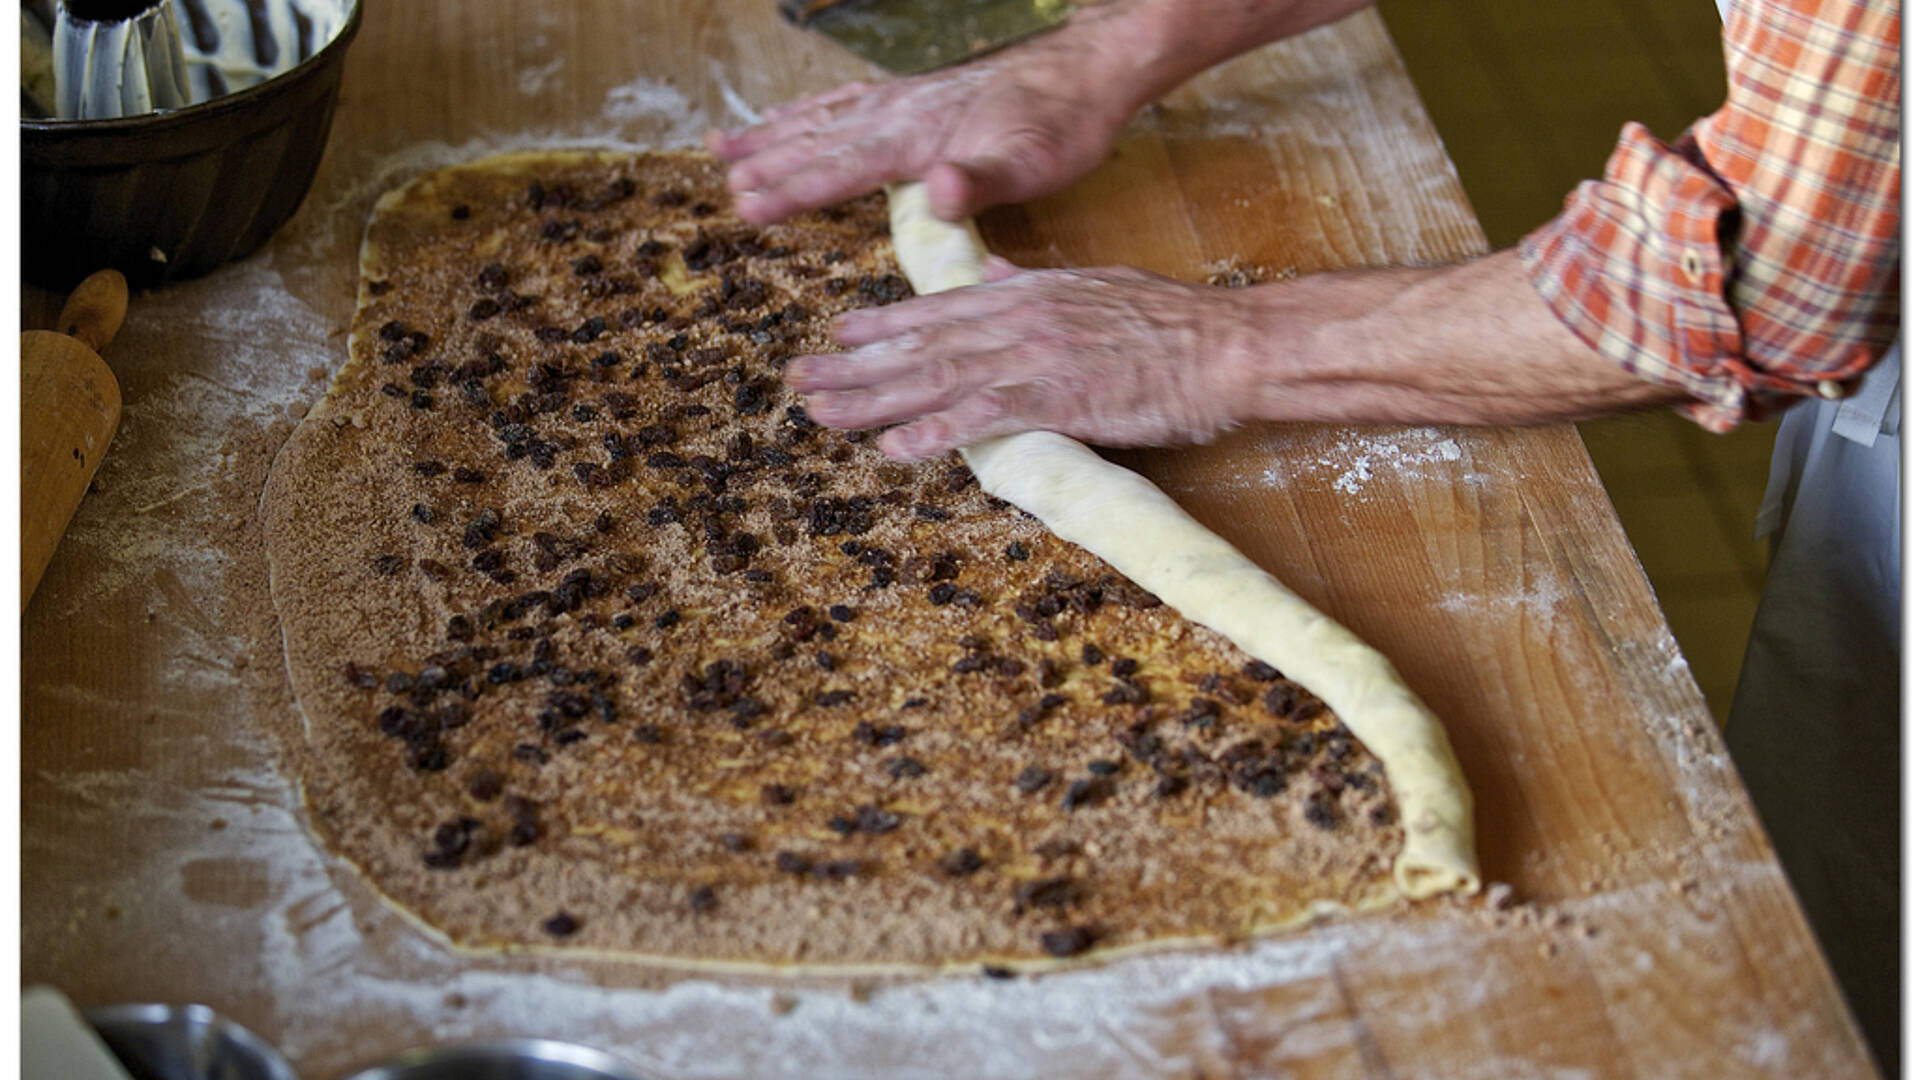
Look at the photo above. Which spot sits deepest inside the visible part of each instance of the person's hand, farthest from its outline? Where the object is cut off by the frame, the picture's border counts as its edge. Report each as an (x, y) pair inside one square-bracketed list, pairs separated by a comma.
[(1017, 124), (1118, 357)]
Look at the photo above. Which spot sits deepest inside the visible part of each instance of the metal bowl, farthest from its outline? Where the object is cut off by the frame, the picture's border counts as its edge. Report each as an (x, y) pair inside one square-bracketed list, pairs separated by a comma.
[(171, 195), (185, 1042), (505, 1059)]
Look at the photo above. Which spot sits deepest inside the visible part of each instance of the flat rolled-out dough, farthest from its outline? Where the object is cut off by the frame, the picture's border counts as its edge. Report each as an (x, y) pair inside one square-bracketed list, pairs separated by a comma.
[(603, 647), (1082, 497)]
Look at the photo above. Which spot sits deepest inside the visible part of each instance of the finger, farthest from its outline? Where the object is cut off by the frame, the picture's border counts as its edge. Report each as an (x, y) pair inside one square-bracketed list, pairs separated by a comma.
[(743, 143), (937, 380), (793, 121), (834, 96), (931, 388), (997, 269), (851, 370), (1011, 172), (765, 166), (824, 182), (864, 326), (980, 416)]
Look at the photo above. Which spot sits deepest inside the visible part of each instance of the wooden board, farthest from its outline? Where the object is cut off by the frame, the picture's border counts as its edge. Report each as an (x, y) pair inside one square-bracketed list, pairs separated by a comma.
[(1649, 931)]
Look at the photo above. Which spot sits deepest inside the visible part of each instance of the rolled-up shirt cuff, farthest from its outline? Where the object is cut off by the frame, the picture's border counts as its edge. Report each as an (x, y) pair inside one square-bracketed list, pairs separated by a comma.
[(1637, 265)]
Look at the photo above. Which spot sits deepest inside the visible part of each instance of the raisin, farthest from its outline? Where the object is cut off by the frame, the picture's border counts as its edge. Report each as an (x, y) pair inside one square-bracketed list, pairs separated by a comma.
[(961, 863), (1087, 792), (872, 819), (1055, 892), (1071, 941), (905, 768), (1032, 779), (1260, 671)]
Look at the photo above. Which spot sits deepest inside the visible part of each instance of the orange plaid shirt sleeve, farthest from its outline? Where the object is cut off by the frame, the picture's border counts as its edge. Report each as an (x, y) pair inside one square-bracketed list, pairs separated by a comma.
[(1756, 259)]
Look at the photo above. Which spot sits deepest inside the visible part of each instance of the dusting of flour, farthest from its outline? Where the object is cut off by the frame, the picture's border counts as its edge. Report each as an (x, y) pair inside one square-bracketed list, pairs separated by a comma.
[(1351, 460), (213, 373)]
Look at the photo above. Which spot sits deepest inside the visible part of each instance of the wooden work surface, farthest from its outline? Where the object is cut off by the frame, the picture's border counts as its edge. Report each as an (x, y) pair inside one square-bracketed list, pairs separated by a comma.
[(1649, 932)]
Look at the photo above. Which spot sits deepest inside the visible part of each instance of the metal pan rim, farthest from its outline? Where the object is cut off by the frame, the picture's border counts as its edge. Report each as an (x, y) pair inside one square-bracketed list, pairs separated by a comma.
[(238, 101), (500, 1051), (155, 1015)]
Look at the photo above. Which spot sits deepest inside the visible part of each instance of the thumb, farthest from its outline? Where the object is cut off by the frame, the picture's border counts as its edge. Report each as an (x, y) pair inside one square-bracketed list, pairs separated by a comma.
[(998, 269), (957, 189)]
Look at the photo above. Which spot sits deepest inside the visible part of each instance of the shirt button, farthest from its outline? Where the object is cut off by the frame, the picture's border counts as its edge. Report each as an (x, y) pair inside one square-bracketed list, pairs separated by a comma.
[(1690, 262), (1833, 389)]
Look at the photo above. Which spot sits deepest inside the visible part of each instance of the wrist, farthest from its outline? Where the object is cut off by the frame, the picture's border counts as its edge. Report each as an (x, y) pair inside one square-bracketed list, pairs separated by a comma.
[(1140, 50), (1156, 45), (1291, 338)]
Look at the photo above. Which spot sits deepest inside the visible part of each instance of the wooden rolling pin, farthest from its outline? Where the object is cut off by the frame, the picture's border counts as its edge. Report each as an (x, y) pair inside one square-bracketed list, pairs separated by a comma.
[(69, 408)]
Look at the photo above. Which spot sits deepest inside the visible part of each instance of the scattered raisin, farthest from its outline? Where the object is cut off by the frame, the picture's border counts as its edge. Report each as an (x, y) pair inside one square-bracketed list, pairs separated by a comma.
[(1260, 671), (1071, 941), (905, 768), (962, 862), (1032, 779)]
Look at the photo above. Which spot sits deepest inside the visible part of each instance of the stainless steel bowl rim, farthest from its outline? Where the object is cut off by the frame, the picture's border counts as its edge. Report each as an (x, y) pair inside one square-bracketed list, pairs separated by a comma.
[(549, 1051), (160, 1015), (238, 101)]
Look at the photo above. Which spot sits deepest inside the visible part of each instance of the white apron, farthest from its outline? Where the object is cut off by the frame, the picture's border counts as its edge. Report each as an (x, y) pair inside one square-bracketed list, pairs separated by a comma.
[(1815, 723)]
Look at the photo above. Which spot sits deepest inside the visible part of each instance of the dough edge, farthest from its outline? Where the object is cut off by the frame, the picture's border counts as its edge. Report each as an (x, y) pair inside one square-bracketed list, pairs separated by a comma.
[(1078, 495), (933, 258)]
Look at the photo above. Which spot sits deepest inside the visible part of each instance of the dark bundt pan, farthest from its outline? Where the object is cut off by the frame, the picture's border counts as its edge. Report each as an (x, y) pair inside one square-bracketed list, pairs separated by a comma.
[(174, 195)]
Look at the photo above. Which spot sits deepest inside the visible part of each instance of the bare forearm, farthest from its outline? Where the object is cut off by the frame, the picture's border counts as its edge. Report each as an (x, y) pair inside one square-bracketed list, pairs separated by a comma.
[(1178, 39), (1465, 344), (1122, 357)]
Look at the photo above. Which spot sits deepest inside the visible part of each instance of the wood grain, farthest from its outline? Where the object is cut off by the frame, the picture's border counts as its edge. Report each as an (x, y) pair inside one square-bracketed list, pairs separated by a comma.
[(1651, 932)]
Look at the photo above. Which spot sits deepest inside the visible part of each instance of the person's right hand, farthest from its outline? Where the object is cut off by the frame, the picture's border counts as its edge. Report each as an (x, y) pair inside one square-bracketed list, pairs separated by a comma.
[(1017, 124)]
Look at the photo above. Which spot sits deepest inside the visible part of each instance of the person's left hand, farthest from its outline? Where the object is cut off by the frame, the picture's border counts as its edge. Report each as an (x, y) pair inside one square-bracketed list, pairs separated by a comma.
[(1119, 357)]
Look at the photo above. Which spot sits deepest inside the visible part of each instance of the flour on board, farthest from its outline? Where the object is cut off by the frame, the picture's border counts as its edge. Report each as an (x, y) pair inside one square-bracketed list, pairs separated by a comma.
[(533, 81)]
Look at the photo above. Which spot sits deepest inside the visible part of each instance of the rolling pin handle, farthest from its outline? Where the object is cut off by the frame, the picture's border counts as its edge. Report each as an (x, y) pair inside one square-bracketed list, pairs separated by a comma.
[(96, 309)]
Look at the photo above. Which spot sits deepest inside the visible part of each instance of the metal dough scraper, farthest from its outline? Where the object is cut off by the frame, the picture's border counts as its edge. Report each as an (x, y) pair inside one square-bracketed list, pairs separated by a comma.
[(910, 36)]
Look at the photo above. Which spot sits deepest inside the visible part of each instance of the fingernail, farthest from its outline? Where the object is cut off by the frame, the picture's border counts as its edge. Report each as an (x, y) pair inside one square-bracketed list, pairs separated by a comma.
[(799, 369)]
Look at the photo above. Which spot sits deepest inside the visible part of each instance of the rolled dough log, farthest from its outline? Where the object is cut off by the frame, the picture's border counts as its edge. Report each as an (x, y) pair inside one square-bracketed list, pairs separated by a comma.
[(1082, 498)]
